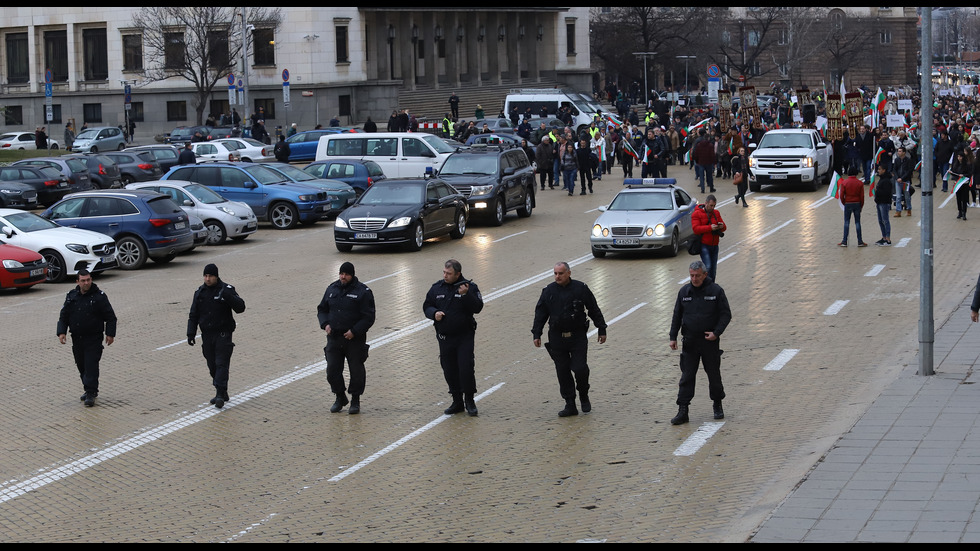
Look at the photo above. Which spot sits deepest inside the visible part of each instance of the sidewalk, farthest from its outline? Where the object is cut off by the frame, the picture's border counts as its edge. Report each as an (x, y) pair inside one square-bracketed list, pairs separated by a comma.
[(909, 469)]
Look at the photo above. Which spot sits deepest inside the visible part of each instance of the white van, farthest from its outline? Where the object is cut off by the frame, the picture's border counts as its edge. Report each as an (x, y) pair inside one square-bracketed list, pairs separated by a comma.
[(399, 154), (584, 107)]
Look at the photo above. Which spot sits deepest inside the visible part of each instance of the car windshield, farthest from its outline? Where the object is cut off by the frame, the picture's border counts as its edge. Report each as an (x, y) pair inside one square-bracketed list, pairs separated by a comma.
[(204, 194), (294, 173), (89, 134), (437, 144), (469, 164), (650, 200), (254, 143), (785, 141), (392, 194), (233, 144), (265, 175), (28, 222)]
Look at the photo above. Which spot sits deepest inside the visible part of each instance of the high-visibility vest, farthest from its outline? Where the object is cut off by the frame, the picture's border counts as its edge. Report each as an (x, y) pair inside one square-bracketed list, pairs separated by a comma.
[(447, 125), (593, 132)]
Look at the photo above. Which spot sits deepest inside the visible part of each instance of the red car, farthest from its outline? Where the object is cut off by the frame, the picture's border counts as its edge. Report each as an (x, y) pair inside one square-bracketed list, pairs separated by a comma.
[(20, 267)]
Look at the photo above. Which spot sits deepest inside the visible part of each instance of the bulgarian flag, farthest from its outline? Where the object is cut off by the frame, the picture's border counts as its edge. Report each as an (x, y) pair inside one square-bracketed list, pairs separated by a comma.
[(880, 101), (628, 148), (960, 183), (731, 144), (687, 157), (612, 121), (833, 190), (873, 183), (878, 155), (691, 129), (918, 166)]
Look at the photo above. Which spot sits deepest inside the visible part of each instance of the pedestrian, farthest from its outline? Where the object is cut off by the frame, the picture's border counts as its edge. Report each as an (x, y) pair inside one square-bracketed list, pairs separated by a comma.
[(701, 314), (187, 156), (211, 310), (704, 157), (69, 136), (543, 156), (281, 150), (478, 114), (87, 314), (902, 166), (563, 304), (335, 121), (132, 130), (454, 105), (451, 303), (975, 306), (960, 173), (259, 132), (883, 200), (370, 126), (568, 166), (292, 129), (652, 151), (740, 175), (345, 313), (40, 139), (707, 223), (852, 196), (584, 164)]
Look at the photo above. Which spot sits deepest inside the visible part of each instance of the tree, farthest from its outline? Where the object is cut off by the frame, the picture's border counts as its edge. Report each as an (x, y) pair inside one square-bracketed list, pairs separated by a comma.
[(801, 43), (197, 44), (848, 41), (742, 48)]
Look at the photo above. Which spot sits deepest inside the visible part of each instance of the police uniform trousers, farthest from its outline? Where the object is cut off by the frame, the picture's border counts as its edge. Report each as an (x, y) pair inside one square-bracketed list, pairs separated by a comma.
[(571, 361), (355, 352), (217, 348), (87, 350), (695, 351), (458, 362)]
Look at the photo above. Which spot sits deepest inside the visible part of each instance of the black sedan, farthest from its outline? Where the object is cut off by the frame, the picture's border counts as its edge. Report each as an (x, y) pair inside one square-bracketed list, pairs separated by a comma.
[(402, 212), (49, 184)]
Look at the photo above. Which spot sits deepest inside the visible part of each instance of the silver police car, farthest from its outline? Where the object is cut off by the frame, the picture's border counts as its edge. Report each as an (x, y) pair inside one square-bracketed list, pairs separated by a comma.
[(649, 214)]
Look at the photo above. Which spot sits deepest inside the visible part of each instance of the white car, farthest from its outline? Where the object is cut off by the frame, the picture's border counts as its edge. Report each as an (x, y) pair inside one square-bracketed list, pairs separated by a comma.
[(67, 250), (214, 151), (223, 218), (23, 140), (252, 151)]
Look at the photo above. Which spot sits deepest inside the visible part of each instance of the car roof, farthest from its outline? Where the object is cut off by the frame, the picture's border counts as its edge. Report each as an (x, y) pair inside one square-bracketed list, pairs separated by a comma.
[(174, 183), (126, 193)]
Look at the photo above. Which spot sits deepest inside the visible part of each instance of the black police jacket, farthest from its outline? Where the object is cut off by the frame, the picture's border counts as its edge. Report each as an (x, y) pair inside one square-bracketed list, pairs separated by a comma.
[(564, 308), (211, 309), (699, 310), (88, 314), (347, 307), (458, 309)]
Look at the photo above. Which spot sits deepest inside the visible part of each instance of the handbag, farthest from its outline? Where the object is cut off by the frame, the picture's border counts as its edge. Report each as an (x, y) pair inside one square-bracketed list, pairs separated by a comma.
[(694, 247), (737, 178)]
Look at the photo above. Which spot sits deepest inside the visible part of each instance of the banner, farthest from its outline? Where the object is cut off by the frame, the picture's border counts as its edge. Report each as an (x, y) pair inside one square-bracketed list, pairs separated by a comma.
[(724, 108), (855, 112), (835, 128), (749, 108)]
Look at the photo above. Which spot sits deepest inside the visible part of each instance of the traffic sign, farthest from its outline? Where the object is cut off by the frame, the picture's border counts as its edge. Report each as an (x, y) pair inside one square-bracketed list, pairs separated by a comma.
[(231, 79), (285, 75), (714, 70), (48, 76)]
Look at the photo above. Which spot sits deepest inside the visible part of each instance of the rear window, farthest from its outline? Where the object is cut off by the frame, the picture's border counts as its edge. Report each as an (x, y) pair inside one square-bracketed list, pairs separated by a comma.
[(104, 159), (373, 168), (49, 172), (163, 205), (146, 156), (76, 165)]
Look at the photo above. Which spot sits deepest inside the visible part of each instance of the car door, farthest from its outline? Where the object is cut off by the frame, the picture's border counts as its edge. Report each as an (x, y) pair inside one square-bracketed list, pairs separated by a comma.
[(414, 156), (685, 208), (236, 185), (68, 213), (102, 214), (434, 217)]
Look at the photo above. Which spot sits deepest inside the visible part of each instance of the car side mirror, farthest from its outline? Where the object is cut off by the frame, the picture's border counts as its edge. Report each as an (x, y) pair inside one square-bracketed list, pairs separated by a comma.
[(602, 208), (753, 146), (188, 203), (251, 185), (509, 170), (821, 145), (8, 231)]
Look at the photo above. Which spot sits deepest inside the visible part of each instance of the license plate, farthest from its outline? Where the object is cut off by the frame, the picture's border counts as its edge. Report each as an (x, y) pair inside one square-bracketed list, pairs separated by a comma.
[(32, 200), (108, 259), (63, 184), (778, 176), (36, 272), (629, 241), (365, 236), (251, 226), (179, 225)]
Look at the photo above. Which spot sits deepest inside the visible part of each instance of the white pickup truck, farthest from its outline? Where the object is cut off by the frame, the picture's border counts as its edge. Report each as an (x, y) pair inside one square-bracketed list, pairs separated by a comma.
[(790, 156)]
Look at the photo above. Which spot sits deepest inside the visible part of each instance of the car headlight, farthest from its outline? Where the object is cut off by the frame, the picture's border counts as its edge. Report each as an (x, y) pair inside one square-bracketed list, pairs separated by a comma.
[(10, 264), (480, 190), (227, 211), (599, 231), (808, 162), (339, 223), (752, 162), (76, 248), (659, 230), (400, 222), (307, 198), (9, 191)]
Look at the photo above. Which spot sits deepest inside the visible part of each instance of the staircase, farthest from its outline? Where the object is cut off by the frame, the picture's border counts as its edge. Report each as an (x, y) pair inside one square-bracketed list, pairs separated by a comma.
[(430, 105)]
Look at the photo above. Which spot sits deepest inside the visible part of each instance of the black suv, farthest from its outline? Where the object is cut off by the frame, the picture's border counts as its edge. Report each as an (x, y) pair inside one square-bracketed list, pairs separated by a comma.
[(494, 180)]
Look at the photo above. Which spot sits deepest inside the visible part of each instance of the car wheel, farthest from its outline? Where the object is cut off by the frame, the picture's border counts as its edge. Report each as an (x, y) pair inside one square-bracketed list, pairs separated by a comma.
[(165, 259), (418, 237), (598, 254), (498, 212), (56, 266), (525, 210), (216, 232), (127, 179), (130, 253), (94, 149), (283, 216), (675, 244), (344, 247), (54, 146), (121, 147), (460, 230)]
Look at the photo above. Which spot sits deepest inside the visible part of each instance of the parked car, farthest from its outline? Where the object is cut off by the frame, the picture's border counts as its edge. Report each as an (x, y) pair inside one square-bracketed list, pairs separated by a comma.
[(222, 218), (48, 184), (184, 134), (266, 191), (251, 151), (359, 175), (20, 268), (198, 230), (23, 140), (66, 250), (339, 194), (493, 139), (215, 151), (144, 224), (644, 217), (164, 154), (99, 138), (494, 180), (75, 170), (101, 169), (402, 212), (136, 166), (18, 195), (302, 145), (219, 132)]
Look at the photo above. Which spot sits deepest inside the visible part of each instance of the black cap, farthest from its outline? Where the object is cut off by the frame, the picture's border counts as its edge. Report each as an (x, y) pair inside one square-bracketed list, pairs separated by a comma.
[(211, 269), (347, 268)]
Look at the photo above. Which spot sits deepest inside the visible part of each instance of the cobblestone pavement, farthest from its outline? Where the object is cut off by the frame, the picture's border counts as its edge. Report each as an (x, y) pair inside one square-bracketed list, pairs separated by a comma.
[(154, 462)]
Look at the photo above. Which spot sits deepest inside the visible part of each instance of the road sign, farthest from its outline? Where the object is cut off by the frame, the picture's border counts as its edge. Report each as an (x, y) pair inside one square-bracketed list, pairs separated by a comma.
[(241, 92), (48, 91), (285, 88), (231, 90), (714, 71), (48, 76), (285, 75)]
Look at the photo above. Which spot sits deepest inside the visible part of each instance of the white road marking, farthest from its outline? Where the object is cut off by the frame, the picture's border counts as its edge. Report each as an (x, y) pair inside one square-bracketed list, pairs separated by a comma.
[(948, 199), (698, 439), (595, 331), (835, 307), (821, 202), (508, 236), (386, 276), (760, 238), (775, 200), (903, 242), (781, 359), (172, 344), (875, 270)]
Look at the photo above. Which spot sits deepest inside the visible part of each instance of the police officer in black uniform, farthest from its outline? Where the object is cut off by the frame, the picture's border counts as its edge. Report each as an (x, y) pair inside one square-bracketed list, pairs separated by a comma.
[(346, 312), (451, 303), (211, 310), (87, 313), (563, 304), (701, 314)]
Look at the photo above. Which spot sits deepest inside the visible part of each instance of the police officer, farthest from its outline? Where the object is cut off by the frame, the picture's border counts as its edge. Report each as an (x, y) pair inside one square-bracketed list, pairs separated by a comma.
[(451, 304), (346, 312), (563, 305), (87, 313), (701, 313), (211, 310)]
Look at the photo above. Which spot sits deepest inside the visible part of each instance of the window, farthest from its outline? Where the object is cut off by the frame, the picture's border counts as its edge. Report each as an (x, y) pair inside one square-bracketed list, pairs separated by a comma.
[(783, 37), (837, 21), (55, 114), (755, 69), (176, 110), (17, 61), (13, 115), (218, 49), (232, 177), (570, 37), (136, 111), (441, 48), (95, 54), (726, 38), (344, 101), (268, 105), (263, 41), (91, 112), (132, 52), (342, 53), (173, 53), (885, 37), (218, 107), (753, 38), (783, 69), (56, 54)]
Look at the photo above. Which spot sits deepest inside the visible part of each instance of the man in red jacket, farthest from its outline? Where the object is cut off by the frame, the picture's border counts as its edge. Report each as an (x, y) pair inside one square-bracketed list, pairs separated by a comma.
[(710, 228), (852, 195)]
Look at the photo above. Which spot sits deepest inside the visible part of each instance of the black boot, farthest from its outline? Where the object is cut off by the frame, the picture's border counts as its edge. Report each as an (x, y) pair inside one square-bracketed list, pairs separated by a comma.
[(355, 404), (339, 403), (569, 409), (586, 404), (470, 405), (457, 405), (681, 416), (719, 413)]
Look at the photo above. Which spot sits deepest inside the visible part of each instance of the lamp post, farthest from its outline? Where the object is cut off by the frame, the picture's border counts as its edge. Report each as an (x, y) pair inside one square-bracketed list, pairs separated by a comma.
[(646, 89), (686, 58), (316, 100)]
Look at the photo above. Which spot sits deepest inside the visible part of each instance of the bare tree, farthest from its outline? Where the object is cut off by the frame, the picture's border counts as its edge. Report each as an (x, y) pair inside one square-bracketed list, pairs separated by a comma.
[(200, 45), (742, 47), (847, 42), (799, 38)]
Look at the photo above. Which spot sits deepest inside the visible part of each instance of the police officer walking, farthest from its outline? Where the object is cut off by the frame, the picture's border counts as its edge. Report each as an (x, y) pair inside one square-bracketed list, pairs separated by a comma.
[(451, 304), (211, 310), (563, 304), (701, 314), (346, 312), (87, 314)]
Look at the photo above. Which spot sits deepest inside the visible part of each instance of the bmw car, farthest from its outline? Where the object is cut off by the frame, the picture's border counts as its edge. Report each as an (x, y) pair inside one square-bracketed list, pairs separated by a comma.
[(644, 217)]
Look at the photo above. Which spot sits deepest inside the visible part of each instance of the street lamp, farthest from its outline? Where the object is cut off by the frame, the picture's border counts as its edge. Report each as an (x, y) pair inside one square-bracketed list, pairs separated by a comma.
[(316, 100), (646, 89), (686, 58)]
